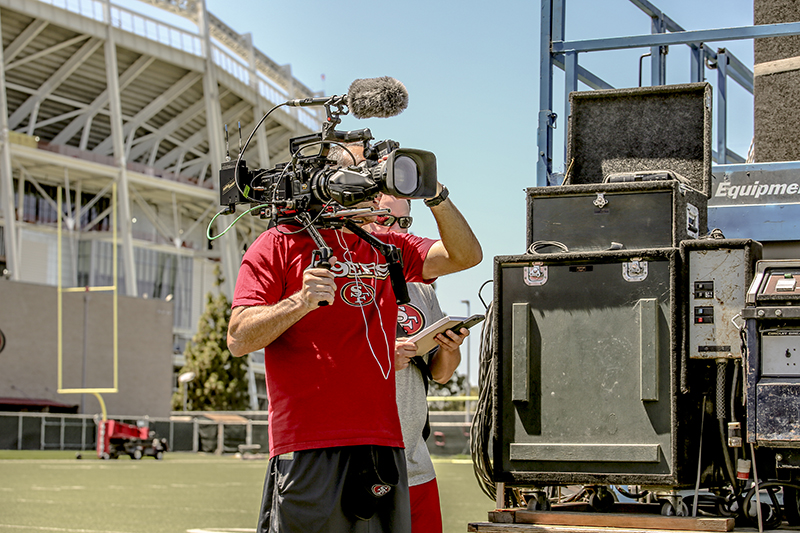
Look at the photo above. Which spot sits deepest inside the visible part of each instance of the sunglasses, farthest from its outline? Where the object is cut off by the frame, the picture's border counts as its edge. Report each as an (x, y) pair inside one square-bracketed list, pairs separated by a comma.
[(390, 220)]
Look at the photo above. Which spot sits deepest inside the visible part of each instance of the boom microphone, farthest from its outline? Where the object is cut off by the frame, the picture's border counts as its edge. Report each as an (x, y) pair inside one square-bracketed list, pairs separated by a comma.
[(371, 97), (377, 97), (320, 100)]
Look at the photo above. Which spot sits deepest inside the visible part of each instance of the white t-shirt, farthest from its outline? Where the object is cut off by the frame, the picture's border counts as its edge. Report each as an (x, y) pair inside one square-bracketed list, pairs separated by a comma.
[(412, 404)]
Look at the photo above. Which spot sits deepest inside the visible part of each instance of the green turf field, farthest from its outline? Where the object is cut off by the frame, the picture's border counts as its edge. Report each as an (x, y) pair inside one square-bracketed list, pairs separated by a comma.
[(54, 492)]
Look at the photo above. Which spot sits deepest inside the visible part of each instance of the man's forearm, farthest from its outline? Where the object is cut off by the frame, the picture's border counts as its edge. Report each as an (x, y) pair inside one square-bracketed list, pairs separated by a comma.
[(253, 328), (458, 249), (444, 363)]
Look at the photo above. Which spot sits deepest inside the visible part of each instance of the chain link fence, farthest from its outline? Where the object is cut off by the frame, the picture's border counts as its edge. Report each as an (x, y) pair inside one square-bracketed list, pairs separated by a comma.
[(209, 432), (187, 433)]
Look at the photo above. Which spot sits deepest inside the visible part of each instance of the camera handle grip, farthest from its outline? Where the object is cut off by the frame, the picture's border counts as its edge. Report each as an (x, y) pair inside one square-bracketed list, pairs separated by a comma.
[(321, 259)]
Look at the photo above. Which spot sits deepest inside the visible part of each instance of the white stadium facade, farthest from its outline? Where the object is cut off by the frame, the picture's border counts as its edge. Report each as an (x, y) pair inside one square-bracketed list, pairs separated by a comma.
[(115, 116)]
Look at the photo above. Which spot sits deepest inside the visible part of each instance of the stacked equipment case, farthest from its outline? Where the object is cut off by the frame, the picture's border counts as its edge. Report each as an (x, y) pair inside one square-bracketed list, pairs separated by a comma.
[(639, 171), (600, 379)]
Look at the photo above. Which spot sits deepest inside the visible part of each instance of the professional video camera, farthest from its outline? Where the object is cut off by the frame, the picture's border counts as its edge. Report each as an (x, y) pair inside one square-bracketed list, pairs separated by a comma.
[(311, 183), (314, 191)]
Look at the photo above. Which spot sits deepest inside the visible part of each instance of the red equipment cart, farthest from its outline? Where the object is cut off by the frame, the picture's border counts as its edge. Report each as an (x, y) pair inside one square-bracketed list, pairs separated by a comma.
[(115, 438)]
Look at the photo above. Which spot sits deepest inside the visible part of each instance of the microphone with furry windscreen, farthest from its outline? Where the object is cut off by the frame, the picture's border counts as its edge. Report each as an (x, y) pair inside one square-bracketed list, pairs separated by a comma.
[(377, 97), (312, 184), (382, 97)]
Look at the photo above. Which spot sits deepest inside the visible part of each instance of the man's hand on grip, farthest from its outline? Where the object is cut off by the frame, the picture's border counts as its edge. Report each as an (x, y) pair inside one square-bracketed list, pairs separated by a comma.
[(318, 286)]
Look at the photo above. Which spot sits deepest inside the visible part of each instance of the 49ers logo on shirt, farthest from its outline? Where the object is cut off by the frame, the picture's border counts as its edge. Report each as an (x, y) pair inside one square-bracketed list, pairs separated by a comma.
[(381, 490), (358, 294), (348, 269), (410, 319)]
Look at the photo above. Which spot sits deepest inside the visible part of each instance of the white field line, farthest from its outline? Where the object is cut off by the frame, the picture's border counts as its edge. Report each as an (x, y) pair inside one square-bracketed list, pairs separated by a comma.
[(60, 529), (221, 530)]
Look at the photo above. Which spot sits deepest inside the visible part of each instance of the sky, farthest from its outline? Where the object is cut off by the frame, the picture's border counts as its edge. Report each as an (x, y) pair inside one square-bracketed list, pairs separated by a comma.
[(472, 73)]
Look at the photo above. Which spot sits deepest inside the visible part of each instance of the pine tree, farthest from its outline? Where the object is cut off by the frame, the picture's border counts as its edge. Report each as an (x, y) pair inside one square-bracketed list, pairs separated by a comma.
[(220, 382)]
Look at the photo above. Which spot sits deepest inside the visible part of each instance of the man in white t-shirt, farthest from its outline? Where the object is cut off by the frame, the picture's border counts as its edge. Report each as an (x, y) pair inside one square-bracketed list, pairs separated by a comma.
[(411, 378)]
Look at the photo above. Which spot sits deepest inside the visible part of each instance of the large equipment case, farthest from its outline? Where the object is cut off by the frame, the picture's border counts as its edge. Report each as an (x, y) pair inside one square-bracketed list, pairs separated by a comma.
[(631, 216), (587, 387), (639, 171)]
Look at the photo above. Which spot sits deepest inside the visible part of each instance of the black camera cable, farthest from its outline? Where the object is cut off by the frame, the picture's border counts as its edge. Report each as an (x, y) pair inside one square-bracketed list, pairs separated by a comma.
[(236, 182), (244, 149)]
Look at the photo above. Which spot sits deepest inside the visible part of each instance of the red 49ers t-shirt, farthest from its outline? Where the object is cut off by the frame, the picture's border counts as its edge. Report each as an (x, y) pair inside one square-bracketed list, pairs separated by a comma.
[(330, 376)]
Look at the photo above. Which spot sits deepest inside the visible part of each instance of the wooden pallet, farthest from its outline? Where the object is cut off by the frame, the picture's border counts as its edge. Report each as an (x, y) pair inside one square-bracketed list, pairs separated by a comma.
[(519, 520)]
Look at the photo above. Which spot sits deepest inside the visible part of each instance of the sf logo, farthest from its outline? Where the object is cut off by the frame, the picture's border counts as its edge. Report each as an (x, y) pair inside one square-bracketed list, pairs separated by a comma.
[(410, 319), (358, 294)]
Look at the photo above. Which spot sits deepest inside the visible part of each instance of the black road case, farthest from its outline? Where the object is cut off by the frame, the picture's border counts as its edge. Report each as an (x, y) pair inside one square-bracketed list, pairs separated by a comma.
[(631, 216), (587, 382)]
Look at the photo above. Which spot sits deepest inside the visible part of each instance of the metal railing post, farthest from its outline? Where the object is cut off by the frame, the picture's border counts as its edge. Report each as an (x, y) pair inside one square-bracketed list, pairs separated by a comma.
[(658, 60), (544, 134), (722, 106)]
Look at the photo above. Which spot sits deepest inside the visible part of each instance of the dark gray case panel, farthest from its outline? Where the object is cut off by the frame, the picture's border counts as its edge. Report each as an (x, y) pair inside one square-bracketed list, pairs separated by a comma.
[(587, 370), (642, 215), (648, 128), (777, 404), (772, 402)]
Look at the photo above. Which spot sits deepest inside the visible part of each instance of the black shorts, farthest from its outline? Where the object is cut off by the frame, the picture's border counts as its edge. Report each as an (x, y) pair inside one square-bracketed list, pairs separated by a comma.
[(304, 495)]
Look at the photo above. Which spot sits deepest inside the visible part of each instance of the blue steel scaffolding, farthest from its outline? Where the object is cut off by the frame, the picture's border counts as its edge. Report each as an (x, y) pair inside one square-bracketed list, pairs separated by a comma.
[(770, 217), (558, 52)]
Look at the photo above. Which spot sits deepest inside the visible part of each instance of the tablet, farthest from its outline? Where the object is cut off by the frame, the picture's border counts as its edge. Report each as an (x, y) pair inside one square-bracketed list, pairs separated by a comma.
[(424, 339)]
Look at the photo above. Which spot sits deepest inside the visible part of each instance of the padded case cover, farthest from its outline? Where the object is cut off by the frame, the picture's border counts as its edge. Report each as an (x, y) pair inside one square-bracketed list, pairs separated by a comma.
[(666, 127)]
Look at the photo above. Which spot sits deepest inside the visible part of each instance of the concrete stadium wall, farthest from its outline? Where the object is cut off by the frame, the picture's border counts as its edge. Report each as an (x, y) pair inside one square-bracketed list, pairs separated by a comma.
[(29, 361)]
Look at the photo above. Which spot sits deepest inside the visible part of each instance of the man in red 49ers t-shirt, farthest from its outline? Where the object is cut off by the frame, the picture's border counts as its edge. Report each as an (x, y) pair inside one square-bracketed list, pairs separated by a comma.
[(336, 458)]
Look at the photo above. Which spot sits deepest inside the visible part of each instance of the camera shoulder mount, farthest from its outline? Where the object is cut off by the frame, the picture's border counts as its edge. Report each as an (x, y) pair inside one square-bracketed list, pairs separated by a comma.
[(320, 258)]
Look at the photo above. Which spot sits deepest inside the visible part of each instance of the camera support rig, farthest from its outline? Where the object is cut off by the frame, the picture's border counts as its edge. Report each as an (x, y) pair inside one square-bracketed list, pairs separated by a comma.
[(320, 258), (303, 189), (393, 259)]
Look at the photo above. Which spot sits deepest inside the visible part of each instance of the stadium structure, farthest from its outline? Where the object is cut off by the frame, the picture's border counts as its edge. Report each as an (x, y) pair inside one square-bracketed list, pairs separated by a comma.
[(111, 110)]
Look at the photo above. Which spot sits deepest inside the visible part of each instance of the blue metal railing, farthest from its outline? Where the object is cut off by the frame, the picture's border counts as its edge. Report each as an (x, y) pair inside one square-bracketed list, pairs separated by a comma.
[(558, 52)]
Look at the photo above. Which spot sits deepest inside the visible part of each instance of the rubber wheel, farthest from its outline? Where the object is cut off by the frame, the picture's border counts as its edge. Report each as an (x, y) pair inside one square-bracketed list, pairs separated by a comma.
[(669, 510), (136, 455), (159, 455), (771, 518), (538, 503)]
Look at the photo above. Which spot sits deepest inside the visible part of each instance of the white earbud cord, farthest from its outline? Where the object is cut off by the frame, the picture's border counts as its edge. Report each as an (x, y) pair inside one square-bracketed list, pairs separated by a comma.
[(349, 257)]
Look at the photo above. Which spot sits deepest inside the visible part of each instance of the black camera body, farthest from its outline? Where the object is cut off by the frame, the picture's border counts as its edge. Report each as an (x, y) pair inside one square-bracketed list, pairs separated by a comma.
[(313, 183), (312, 188)]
